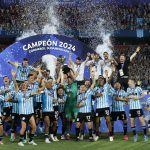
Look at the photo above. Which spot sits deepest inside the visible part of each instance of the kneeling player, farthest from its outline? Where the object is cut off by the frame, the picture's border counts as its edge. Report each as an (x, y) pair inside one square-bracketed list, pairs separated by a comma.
[(134, 95), (84, 103), (118, 111)]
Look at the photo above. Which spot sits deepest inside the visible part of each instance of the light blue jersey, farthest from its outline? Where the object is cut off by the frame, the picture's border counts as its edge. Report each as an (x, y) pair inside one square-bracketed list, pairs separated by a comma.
[(23, 72), (134, 104), (6, 94), (86, 99), (15, 108), (148, 106), (25, 102), (116, 104), (1, 104), (48, 97), (34, 88), (103, 101)]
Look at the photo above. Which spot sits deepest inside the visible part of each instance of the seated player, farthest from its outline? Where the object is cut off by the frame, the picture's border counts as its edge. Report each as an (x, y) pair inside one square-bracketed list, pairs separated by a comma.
[(101, 93), (134, 94), (26, 110), (84, 103), (118, 111)]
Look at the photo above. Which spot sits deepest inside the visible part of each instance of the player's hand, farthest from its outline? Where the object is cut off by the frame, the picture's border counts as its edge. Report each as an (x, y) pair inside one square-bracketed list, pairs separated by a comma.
[(13, 73), (99, 94), (92, 56), (88, 54), (138, 49)]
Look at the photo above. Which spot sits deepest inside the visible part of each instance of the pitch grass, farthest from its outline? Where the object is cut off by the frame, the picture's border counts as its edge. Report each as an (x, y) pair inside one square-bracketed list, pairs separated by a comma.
[(102, 144)]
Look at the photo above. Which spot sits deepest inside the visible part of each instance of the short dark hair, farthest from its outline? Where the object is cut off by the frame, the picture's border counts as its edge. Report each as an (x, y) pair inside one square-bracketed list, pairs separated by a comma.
[(123, 54), (60, 87), (78, 58), (5, 76), (29, 75), (25, 59), (69, 77), (105, 52)]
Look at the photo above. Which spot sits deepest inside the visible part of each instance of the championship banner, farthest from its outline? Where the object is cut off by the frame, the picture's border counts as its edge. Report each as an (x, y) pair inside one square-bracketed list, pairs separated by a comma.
[(35, 47)]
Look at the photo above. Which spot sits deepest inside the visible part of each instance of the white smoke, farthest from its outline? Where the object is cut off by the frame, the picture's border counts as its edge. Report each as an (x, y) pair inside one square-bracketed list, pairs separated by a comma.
[(50, 61), (50, 27)]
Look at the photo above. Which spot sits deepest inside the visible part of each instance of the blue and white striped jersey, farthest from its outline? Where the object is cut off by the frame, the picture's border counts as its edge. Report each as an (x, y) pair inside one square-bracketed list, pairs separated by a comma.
[(61, 105), (10, 88), (148, 106), (1, 104), (116, 104), (47, 99), (86, 99), (103, 101), (25, 102), (15, 108), (23, 72), (34, 88), (134, 104)]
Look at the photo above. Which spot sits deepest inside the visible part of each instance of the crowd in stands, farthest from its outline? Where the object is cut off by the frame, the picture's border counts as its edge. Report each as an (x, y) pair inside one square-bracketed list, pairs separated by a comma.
[(35, 16)]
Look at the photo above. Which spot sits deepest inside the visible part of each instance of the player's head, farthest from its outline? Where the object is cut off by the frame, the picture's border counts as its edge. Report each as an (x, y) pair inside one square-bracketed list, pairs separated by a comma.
[(82, 88), (105, 55), (23, 86), (131, 83), (122, 58), (65, 76), (78, 60), (47, 72), (69, 79), (6, 80), (35, 74), (101, 81), (31, 78), (49, 83), (96, 56), (60, 91), (117, 85), (87, 83), (25, 62)]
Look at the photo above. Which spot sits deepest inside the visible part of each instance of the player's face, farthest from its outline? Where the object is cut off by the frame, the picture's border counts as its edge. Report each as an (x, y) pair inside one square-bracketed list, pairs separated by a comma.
[(122, 59), (35, 75), (6, 80), (25, 63), (87, 84), (78, 62), (60, 92), (101, 81), (131, 83), (47, 73), (23, 86), (82, 88), (106, 55), (96, 57), (31, 79), (117, 85), (65, 77), (69, 81), (49, 84)]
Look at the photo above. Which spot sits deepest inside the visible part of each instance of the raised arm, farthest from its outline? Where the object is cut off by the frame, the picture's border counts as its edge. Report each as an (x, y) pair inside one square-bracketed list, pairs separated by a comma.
[(14, 80), (135, 53), (13, 63)]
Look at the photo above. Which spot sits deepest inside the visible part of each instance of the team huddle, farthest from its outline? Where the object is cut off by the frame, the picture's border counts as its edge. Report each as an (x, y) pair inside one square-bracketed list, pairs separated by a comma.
[(33, 98)]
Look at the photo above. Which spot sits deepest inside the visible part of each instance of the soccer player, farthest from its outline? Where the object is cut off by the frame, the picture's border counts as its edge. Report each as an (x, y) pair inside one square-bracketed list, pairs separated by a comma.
[(1, 120), (134, 94), (147, 108), (61, 98), (78, 68), (84, 103), (71, 101), (26, 110), (49, 96), (101, 93), (23, 70), (118, 111), (6, 90)]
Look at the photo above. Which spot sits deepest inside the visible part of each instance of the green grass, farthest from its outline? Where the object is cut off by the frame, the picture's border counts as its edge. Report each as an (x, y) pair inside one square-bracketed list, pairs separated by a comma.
[(102, 144)]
